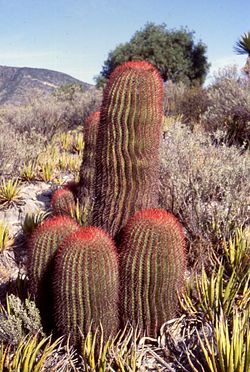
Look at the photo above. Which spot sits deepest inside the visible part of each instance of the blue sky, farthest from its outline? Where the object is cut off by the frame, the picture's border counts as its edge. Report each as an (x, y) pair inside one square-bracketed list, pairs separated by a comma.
[(75, 36)]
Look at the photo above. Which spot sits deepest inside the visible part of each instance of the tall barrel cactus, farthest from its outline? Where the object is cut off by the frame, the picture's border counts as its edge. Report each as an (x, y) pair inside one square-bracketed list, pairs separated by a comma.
[(86, 284), (87, 170), (127, 156), (42, 246), (152, 266)]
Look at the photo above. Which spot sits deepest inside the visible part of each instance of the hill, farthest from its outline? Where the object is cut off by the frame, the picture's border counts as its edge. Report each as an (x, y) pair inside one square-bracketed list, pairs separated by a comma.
[(19, 84)]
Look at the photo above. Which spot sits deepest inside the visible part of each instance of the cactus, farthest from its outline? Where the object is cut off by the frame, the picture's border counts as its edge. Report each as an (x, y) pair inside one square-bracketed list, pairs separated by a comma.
[(87, 170), (63, 202), (86, 284), (152, 267), (127, 156), (42, 245)]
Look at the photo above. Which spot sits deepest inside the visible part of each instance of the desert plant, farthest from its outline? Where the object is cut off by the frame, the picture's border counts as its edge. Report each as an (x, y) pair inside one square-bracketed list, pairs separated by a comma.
[(86, 284), (87, 169), (204, 185), (78, 145), (152, 269), (5, 239), (211, 295), (63, 161), (228, 110), (18, 320), (47, 171), (32, 354), (42, 246), (127, 160), (10, 192), (32, 220), (242, 46), (28, 171), (63, 201), (66, 141), (119, 353), (230, 350)]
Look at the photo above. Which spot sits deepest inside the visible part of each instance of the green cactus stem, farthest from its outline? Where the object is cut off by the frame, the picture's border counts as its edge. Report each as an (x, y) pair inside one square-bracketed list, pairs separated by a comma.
[(86, 284), (87, 170), (42, 246), (128, 139), (63, 202), (152, 268)]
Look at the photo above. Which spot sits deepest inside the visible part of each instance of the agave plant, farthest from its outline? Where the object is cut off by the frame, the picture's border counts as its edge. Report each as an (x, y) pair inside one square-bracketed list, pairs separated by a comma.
[(242, 46)]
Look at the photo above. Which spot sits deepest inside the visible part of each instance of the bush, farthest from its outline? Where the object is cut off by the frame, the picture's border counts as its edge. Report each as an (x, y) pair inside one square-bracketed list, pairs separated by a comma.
[(204, 184), (229, 108), (189, 101), (32, 126)]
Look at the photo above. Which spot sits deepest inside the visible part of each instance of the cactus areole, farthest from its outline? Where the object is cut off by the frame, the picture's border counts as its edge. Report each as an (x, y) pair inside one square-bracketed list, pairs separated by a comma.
[(127, 153)]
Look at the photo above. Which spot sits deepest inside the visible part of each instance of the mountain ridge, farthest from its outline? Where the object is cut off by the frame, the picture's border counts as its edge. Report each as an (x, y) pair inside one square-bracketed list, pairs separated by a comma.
[(19, 84)]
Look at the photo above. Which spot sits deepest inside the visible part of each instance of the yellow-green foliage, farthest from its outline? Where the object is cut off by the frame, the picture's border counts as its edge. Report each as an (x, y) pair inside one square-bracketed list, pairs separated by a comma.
[(5, 239), (28, 171), (230, 352), (32, 220), (31, 354), (9, 192)]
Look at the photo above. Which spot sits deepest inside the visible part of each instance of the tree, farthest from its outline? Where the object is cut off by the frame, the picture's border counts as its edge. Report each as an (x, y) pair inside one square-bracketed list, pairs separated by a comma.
[(242, 46), (172, 52)]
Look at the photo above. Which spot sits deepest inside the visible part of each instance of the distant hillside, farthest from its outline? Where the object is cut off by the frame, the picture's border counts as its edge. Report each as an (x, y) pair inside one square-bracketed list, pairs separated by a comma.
[(19, 84)]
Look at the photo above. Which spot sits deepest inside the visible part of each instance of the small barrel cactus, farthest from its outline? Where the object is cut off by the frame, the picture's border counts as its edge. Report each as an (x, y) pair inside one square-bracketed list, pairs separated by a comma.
[(42, 246), (152, 267), (86, 284), (87, 170), (63, 202), (128, 139)]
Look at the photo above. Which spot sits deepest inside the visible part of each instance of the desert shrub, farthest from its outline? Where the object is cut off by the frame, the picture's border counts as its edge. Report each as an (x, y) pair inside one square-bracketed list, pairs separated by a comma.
[(191, 102), (32, 126), (18, 320), (12, 145), (48, 115), (173, 94), (204, 185), (229, 108)]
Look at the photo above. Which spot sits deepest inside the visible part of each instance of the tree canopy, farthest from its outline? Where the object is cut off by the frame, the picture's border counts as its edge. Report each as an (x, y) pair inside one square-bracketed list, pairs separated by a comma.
[(173, 52)]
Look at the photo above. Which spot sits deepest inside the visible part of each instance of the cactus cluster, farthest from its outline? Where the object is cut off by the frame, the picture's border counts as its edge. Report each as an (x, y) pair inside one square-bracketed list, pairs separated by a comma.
[(135, 279)]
